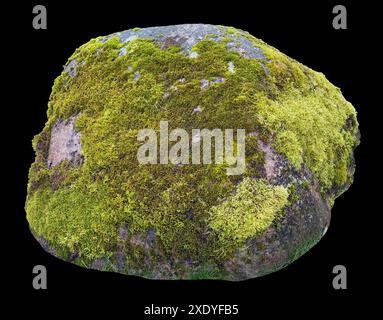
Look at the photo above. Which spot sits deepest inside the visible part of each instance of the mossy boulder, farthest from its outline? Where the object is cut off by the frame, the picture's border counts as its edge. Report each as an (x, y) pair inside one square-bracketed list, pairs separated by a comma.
[(92, 203)]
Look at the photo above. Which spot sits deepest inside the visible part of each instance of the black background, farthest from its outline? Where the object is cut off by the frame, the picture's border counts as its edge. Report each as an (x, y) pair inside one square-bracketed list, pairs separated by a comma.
[(302, 30)]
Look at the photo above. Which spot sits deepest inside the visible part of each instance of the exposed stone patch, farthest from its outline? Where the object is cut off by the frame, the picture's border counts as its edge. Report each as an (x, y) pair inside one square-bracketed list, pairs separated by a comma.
[(122, 52), (172, 41), (350, 123), (73, 256), (145, 241), (187, 35), (151, 236), (270, 159), (98, 264), (267, 71), (64, 143), (206, 83), (123, 232), (137, 240), (231, 67), (218, 80), (71, 68), (120, 261), (193, 54), (45, 244)]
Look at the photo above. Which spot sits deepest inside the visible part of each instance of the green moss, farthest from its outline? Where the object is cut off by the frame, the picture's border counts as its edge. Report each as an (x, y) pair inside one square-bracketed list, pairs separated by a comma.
[(81, 208), (247, 213), (309, 129), (82, 218), (206, 273), (307, 116), (287, 143)]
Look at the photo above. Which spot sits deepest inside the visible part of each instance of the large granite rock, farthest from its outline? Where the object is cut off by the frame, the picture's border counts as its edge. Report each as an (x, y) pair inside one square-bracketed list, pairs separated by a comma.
[(92, 203)]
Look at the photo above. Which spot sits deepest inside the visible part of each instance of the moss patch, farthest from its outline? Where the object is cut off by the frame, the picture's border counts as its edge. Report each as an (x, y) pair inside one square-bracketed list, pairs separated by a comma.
[(247, 213)]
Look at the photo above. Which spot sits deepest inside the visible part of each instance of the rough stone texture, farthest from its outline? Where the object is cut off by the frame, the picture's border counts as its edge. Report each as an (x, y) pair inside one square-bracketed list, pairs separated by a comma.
[(71, 68), (64, 143), (91, 204), (305, 222), (187, 35)]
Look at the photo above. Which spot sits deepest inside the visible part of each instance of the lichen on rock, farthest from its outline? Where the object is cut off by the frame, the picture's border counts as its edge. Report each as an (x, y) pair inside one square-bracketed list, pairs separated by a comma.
[(91, 203)]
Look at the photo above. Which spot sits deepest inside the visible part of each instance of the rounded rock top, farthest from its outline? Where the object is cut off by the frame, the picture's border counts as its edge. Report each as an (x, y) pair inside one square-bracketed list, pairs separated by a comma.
[(188, 35)]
